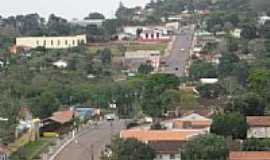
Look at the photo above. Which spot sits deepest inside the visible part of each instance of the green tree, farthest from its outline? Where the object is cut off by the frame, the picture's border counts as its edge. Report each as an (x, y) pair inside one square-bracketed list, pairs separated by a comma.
[(249, 104), (131, 150), (105, 55), (255, 144), (145, 69), (210, 91), (95, 15), (154, 86), (206, 147), (227, 64), (229, 124), (200, 69)]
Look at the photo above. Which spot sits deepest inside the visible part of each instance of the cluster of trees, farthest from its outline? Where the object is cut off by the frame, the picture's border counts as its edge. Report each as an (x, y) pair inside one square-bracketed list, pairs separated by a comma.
[(35, 25)]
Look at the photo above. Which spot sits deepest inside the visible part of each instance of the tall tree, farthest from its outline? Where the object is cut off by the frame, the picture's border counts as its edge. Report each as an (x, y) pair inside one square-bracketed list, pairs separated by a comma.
[(206, 147), (229, 124), (131, 150)]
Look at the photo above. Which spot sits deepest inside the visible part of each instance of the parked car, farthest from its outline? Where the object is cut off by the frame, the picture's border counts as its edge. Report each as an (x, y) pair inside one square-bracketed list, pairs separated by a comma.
[(110, 117)]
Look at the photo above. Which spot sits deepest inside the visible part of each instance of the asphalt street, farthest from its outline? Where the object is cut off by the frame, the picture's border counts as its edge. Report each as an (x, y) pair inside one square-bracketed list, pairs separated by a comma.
[(177, 59), (90, 143)]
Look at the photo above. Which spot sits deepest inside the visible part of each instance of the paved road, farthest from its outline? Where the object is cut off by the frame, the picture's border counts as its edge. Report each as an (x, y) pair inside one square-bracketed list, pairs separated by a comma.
[(177, 59), (92, 141)]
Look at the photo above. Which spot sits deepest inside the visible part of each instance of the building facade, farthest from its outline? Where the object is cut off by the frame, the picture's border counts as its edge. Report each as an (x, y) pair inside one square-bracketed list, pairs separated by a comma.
[(3, 153), (51, 42), (134, 59), (259, 127)]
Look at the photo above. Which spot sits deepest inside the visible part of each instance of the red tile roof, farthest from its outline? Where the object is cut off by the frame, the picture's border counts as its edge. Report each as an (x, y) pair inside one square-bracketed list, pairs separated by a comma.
[(260, 155), (62, 117), (159, 135), (258, 121)]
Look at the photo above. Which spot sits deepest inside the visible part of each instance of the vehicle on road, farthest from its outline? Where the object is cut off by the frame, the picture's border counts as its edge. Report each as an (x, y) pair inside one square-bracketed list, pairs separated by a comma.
[(182, 49), (110, 117)]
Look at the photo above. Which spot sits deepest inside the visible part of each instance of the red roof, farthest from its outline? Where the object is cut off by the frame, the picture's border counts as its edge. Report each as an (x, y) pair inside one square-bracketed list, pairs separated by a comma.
[(258, 121), (159, 135), (260, 155), (62, 117)]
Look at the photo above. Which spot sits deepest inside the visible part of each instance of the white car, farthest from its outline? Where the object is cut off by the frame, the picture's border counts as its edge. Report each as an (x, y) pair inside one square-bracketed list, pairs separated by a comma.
[(110, 117), (182, 49)]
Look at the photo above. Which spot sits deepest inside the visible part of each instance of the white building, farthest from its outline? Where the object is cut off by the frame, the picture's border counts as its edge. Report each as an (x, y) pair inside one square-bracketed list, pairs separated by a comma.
[(86, 22), (236, 33), (259, 127), (209, 80), (60, 42), (136, 58), (263, 19)]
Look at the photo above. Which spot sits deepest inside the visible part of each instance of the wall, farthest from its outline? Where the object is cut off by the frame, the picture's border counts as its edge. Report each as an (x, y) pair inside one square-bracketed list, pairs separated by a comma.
[(168, 157), (259, 132), (51, 42)]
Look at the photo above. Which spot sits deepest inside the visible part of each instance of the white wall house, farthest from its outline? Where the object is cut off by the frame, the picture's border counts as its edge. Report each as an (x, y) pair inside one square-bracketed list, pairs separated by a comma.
[(60, 42), (259, 127), (144, 56)]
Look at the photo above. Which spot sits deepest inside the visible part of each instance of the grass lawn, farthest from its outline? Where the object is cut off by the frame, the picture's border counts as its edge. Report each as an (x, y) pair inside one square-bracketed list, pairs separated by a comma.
[(159, 46), (31, 150)]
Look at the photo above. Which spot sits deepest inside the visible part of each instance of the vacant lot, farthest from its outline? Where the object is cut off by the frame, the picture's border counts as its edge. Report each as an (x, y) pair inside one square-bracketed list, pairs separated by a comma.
[(118, 49)]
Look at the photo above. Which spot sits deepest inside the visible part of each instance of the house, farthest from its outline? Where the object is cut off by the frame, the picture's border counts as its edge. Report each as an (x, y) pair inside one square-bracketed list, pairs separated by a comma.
[(259, 126), (134, 59), (192, 121), (86, 22), (153, 35), (167, 143), (249, 155), (51, 42), (263, 19), (59, 123), (172, 26), (3, 153), (208, 80), (236, 33)]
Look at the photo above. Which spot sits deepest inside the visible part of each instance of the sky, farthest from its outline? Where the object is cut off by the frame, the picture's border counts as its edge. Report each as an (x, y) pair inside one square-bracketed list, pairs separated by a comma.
[(65, 8)]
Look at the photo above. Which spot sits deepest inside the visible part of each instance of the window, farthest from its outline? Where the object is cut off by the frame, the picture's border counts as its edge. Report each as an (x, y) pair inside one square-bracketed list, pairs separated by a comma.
[(146, 35), (37, 42), (52, 42), (152, 36), (172, 156), (44, 43), (66, 42), (73, 43), (157, 35), (79, 42), (59, 42)]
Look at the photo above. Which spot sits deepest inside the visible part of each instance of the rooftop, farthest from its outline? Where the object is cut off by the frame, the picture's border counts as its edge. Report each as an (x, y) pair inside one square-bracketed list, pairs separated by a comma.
[(159, 135), (258, 121), (62, 117), (260, 155)]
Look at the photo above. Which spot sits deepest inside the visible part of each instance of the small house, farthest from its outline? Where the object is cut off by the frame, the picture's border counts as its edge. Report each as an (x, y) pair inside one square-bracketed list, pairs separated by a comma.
[(249, 155), (259, 126)]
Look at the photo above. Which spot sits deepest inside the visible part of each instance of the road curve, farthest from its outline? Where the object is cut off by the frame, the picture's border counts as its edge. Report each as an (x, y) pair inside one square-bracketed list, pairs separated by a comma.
[(90, 143)]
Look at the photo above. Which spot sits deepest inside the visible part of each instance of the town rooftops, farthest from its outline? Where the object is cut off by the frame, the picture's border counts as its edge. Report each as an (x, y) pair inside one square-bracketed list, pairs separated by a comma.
[(258, 121), (193, 120), (63, 116), (159, 135), (254, 155)]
